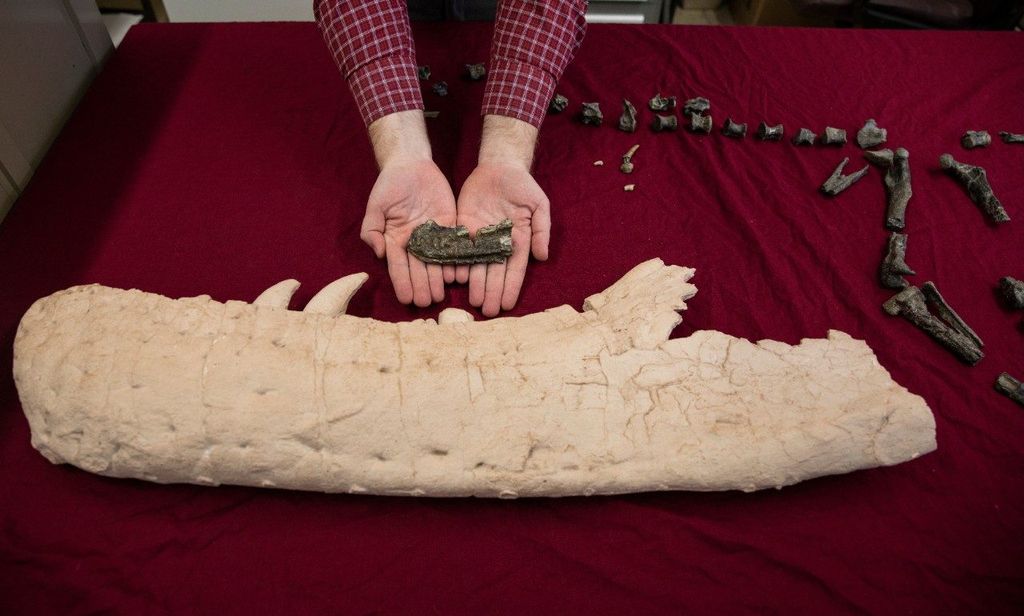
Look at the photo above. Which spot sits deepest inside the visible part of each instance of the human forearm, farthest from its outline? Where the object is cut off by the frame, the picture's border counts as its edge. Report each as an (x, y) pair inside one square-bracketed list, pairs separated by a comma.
[(507, 140), (400, 137)]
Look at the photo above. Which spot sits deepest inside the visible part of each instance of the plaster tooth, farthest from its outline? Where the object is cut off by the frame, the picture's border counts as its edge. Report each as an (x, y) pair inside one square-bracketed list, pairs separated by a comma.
[(333, 299), (454, 315), (279, 295)]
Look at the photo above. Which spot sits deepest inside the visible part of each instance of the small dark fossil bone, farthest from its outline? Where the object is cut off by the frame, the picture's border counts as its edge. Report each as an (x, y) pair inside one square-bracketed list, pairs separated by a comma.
[(1013, 290), (897, 183), (700, 124), (658, 103), (805, 136), (769, 133), (590, 114), (664, 123), (1011, 388), (975, 180), (423, 72), (894, 265), (441, 88), (871, 135), (476, 72), (1011, 137), (947, 328), (558, 104), (627, 121), (837, 182), (696, 106), (732, 129), (976, 139), (627, 159), (833, 136), (432, 243)]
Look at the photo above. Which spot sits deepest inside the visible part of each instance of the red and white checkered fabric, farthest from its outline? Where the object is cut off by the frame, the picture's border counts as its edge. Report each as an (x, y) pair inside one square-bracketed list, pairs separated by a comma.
[(371, 41)]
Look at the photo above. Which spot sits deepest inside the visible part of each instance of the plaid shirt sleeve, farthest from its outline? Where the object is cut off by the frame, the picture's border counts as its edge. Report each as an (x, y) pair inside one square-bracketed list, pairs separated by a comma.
[(534, 40), (371, 41)]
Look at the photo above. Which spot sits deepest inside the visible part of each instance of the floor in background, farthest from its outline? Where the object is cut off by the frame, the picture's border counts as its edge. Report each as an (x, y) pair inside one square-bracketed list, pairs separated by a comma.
[(118, 24), (703, 17)]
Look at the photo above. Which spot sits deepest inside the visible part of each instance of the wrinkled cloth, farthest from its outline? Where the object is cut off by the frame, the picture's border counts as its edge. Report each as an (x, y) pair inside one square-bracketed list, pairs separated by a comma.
[(221, 159)]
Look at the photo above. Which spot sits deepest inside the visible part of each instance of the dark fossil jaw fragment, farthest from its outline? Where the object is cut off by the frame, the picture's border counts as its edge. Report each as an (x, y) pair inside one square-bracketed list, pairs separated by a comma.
[(769, 133), (664, 123), (627, 159), (590, 114), (976, 139), (804, 136), (700, 124), (1011, 388), (658, 103), (945, 326), (837, 182), (1011, 137), (871, 135), (627, 121), (975, 180), (441, 88), (732, 129), (1013, 291), (696, 106), (432, 243), (897, 184), (423, 72), (894, 265), (476, 72), (558, 104), (833, 136)]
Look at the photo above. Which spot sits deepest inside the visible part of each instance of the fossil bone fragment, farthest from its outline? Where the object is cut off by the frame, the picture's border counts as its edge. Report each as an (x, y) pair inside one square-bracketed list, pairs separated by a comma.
[(598, 163), (897, 184), (1011, 388), (1013, 290), (804, 136), (975, 180), (627, 121), (976, 139), (629, 187), (453, 315), (423, 72), (441, 88), (700, 124), (591, 115), (894, 265), (664, 123), (133, 384), (476, 72), (279, 295), (837, 182), (558, 104), (662, 104), (733, 129), (870, 135), (627, 159), (432, 243), (833, 136), (769, 133), (1011, 137), (945, 326), (696, 106)]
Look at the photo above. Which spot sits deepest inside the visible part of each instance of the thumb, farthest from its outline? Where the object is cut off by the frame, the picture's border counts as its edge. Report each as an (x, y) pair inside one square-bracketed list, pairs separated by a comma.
[(372, 231), (540, 232)]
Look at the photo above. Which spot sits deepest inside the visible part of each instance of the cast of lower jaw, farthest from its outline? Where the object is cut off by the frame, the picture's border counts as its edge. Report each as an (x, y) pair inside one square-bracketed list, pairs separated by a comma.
[(556, 403)]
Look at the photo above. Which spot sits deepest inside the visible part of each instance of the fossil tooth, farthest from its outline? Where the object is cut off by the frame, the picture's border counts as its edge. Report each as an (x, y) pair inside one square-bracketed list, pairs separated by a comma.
[(279, 295), (334, 298), (454, 315)]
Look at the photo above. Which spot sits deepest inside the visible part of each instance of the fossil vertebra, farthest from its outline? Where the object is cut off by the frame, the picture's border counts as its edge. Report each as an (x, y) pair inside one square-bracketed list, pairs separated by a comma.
[(432, 243), (558, 104), (870, 135), (441, 88), (590, 114), (733, 129), (627, 121), (833, 136), (976, 139), (423, 72), (894, 265), (837, 182), (662, 104), (975, 180), (700, 124), (133, 384), (804, 136), (664, 123), (769, 133), (696, 106), (475, 72)]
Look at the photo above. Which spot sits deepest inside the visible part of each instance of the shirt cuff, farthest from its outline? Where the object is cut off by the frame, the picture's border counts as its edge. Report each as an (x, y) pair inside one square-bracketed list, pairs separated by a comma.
[(384, 86), (518, 90)]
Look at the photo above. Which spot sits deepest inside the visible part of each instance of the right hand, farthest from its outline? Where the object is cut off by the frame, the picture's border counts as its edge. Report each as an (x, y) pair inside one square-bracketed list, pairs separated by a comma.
[(408, 193)]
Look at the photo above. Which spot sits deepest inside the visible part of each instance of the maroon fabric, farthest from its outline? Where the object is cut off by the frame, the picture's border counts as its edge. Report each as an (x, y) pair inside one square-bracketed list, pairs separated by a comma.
[(221, 159)]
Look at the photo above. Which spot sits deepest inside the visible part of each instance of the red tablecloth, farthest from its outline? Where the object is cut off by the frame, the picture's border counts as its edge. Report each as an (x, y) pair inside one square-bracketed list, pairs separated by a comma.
[(222, 158)]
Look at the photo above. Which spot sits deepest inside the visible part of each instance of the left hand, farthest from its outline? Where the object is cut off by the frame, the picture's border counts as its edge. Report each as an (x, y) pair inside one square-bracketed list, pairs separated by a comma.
[(493, 192)]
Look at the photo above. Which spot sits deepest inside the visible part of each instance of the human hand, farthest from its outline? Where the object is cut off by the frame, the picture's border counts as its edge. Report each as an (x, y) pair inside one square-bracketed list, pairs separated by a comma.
[(493, 192), (407, 194)]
